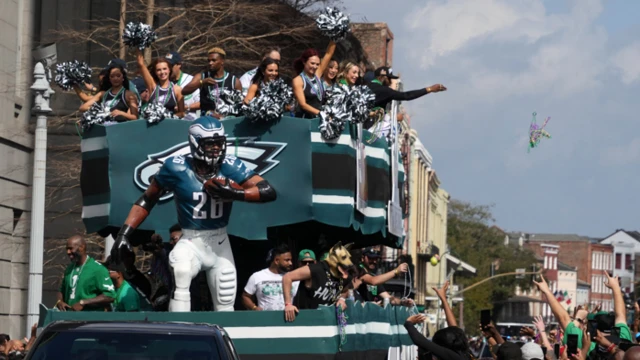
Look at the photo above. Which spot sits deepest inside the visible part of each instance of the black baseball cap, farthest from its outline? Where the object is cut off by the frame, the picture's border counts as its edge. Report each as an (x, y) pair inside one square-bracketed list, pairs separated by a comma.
[(116, 62), (174, 58), (139, 84), (385, 70), (371, 252)]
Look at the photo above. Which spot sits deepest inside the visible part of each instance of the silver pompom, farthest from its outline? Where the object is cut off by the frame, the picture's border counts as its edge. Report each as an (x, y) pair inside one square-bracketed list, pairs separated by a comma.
[(361, 100), (72, 73), (154, 113), (333, 24), (344, 104), (270, 103), (139, 35), (97, 114), (230, 102)]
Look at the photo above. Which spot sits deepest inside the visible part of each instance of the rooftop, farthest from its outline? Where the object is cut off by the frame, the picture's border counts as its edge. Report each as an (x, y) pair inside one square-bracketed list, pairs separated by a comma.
[(534, 237), (632, 233)]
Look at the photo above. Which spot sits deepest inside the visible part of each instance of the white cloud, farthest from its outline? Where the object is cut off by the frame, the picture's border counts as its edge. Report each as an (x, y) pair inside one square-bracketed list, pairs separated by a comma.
[(627, 61), (448, 26)]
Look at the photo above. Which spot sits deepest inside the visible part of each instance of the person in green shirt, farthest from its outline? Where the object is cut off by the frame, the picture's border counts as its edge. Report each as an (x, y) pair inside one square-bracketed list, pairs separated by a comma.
[(86, 285), (127, 297)]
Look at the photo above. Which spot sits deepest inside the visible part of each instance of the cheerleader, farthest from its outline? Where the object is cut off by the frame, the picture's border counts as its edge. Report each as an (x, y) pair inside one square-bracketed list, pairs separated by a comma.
[(114, 94), (308, 89), (349, 74), (267, 71), (158, 80), (329, 76)]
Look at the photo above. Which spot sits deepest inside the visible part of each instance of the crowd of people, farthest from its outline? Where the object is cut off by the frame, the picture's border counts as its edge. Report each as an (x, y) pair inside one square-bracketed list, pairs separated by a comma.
[(582, 335)]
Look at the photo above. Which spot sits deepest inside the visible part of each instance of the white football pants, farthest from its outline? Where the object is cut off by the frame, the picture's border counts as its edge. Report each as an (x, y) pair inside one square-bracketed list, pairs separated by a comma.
[(209, 251)]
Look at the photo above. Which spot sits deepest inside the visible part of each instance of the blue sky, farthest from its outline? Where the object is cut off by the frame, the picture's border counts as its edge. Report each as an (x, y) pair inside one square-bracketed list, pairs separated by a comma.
[(577, 61)]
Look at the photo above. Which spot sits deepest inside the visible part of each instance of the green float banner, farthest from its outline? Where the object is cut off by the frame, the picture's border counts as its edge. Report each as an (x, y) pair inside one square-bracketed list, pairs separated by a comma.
[(315, 179), (315, 334)]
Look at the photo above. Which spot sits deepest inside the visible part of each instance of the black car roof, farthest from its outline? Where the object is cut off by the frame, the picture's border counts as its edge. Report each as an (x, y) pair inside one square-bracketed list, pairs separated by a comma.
[(136, 326)]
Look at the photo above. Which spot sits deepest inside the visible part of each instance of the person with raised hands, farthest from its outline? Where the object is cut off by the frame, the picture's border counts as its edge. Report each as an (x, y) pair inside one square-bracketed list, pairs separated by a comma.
[(157, 78), (542, 336), (571, 326), (619, 308), (442, 295)]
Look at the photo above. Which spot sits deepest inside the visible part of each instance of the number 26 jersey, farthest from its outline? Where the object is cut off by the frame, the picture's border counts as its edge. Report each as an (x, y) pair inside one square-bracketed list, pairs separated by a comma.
[(196, 209)]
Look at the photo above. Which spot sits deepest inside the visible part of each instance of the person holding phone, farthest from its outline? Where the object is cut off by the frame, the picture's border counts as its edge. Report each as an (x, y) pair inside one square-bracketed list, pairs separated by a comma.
[(574, 326), (621, 328), (449, 343)]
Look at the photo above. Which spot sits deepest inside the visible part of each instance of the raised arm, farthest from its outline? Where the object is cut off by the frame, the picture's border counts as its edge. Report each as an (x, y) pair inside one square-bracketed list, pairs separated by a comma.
[(298, 93), (326, 59), (558, 311), (81, 94), (442, 294), (146, 75), (383, 278), (613, 283)]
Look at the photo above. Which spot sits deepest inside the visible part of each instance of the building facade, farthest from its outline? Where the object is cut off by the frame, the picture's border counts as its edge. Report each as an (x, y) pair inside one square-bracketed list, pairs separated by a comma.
[(16, 163), (377, 42), (586, 255), (626, 245)]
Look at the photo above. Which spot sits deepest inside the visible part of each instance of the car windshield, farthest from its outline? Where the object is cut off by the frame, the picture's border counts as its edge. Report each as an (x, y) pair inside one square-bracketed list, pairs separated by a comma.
[(83, 345)]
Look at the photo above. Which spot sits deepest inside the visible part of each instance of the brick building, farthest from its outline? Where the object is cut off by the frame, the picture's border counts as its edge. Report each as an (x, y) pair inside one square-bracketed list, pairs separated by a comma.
[(589, 257), (377, 41)]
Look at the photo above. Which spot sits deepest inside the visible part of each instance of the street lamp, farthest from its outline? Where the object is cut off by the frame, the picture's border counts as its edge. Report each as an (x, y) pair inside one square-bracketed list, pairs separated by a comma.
[(45, 56)]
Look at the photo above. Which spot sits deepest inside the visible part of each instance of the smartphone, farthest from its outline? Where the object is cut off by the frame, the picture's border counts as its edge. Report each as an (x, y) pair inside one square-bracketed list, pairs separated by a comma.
[(485, 318), (593, 329), (556, 350), (572, 344), (544, 351)]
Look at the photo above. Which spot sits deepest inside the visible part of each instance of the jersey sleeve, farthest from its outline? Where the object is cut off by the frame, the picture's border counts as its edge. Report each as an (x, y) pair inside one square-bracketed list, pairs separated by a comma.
[(250, 288), (103, 282), (236, 170), (166, 176)]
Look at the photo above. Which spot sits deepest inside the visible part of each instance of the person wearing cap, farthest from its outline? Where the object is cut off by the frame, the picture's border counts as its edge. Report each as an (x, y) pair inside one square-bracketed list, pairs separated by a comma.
[(142, 91), (245, 79), (180, 78), (384, 94), (306, 257), (372, 288), (127, 298), (212, 83)]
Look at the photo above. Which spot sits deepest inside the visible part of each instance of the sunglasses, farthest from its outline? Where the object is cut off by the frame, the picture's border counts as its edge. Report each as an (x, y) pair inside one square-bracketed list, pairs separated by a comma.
[(307, 262)]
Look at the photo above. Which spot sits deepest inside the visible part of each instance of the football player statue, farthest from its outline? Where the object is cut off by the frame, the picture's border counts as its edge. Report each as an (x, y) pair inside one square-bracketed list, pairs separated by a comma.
[(204, 185)]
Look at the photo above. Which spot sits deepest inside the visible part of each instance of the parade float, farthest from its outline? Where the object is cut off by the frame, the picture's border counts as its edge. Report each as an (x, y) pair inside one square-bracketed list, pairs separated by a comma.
[(344, 189)]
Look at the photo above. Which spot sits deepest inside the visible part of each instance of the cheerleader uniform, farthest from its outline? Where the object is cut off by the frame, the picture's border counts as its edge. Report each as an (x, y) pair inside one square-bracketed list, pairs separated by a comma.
[(210, 94), (314, 95), (116, 102), (165, 97)]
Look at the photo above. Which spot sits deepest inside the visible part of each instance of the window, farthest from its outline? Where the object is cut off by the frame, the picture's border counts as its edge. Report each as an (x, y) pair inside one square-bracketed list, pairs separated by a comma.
[(627, 262), (593, 260), (618, 260), (546, 262), (555, 263), (111, 345)]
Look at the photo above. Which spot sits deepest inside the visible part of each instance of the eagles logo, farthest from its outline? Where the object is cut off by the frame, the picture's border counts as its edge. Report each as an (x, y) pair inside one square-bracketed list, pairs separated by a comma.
[(256, 155)]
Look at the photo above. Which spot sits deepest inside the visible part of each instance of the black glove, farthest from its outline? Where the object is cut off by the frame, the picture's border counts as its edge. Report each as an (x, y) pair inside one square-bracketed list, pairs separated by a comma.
[(121, 249), (223, 191)]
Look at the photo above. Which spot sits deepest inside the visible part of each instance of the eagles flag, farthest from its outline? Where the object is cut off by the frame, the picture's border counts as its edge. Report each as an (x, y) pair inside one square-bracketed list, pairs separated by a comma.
[(315, 179)]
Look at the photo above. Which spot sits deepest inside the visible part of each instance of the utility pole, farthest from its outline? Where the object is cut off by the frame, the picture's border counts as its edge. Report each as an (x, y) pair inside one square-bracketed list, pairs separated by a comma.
[(123, 14), (42, 92)]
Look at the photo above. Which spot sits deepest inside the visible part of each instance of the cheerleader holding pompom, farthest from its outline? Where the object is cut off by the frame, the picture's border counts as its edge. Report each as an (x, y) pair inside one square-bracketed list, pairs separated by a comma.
[(121, 103), (161, 90)]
